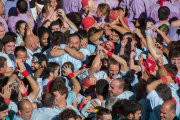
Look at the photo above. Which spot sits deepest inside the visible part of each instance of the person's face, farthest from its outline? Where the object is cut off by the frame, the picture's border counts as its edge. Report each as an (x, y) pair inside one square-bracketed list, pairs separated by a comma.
[(107, 117), (176, 61), (3, 114), (36, 44), (113, 71), (109, 45), (26, 113), (22, 30), (34, 66), (53, 3), (2, 31), (84, 43), (137, 115), (110, 20), (58, 97), (114, 89), (56, 73), (22, 55), (74, 43), (44, 39), (99, 14), (9, 48), (114, 37), (165, 113), (55, 28), (86, 9), (2, 8)]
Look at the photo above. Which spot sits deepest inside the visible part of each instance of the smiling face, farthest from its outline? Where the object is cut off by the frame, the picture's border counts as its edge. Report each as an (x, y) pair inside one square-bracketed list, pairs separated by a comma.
[(3, 114), (9, 48), (74, 43), (113, 70), (45, 40)]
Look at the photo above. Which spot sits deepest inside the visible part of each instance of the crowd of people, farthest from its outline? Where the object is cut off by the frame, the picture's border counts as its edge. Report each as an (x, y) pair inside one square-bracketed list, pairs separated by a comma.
[(89, 60)]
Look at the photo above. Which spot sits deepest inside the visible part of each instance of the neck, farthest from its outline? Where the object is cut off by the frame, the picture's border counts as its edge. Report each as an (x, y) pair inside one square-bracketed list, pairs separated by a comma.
[(178, 70), (100, 97), (50, 78), (163, 21), (62, 105), (19, 116)]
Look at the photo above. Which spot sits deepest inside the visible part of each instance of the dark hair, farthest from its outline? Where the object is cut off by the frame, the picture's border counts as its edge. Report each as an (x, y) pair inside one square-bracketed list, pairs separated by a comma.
[(118, 105), (82, 33), (3, 104), (163, 13), (45, 8), (2, 60), (57, 22), (1, 45), (8, 38), (101, 112), (19, 48), (68, 113), (90, 59), (3, 82), (48, 99), (18, 24), (92, 31), (171, 68), (12, 34), (42, 30), (59, 38), (150, 80), (22, 6), (62, 89), (67, 63), (131, 106), (51, 67), (59, 80), (102, 87), (163, 91), (47, 1), (73, 35), (174, 53), (41, 57), (76, 18)]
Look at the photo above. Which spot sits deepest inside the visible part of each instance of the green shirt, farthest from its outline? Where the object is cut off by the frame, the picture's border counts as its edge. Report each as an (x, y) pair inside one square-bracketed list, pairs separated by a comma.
[(176, 118)]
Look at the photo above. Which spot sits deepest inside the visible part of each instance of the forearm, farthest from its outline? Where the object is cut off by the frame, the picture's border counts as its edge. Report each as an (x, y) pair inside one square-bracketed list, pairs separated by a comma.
[(139, 22), (121, 51), (176, 24), (131, 71), (153, 85), (95, 64), (121, 30), (167, 40), (38, 73), (77, 86), (121, 61), (57, 53), (95, 37), (70, 23), (12, 78), (162, 72), (124, 24), (74, 53)]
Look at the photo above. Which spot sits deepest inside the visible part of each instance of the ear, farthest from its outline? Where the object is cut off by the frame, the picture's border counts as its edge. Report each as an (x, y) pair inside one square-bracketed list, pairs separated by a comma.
[(17, 30), (44, 15), (51, 74), (64, 96), (130, 115), (17, 10), (19, 112)]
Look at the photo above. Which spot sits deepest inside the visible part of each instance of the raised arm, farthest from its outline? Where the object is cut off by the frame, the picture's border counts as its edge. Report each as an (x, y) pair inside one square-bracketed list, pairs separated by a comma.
[(56, 52), (95, 64), (95, 37), (121, 19)]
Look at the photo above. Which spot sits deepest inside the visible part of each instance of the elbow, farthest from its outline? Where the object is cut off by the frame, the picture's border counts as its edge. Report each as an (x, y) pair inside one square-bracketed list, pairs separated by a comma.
[(37, 89)]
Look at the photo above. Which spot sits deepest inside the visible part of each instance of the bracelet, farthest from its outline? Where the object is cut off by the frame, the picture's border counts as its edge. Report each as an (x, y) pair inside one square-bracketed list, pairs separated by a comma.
[(148, 32), (143, 72), (164, 79), (70, 75), (25, 73), (110, 54), (96, 110), (24, 95), (49, 21), (81, 105), (7, 100), (142, 38)]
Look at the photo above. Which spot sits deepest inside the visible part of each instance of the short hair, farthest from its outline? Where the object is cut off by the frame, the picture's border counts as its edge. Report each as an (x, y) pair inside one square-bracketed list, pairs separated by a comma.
[(48, 99), (76, 18), (110, 102), (163, 91), (45, 9), (68, 113), (92, 31), (171, 68), (41, 57), (74, 35), (21, 104), (59, 38), (2, 103), (19, 48), (82, 34), (7, 39), (174, 53), (22, 6), (131, 106), (164, 28), (47, 1), (12, 34), (59, 80), (150, 80), (112, 61), (130, 34), (163, 13), (2, 60), (67, 63), (42, 30), (104, 8), (18, 24), (57, 22), (102, 87), (62, 89), (101, 112), (1, 45), (51, 67)]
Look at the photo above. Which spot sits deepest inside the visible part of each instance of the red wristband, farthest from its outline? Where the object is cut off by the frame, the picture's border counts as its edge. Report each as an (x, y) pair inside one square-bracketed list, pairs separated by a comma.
[(164, 79), (25, 73), (161, 66), (110, 54), (70, 75), (49, 21), (142, 38), (24, 95), (81, 105), (2, 74), (6, 100), (161, 47)]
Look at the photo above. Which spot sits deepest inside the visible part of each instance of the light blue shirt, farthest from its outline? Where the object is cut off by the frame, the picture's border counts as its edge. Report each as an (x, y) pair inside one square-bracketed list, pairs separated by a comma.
[(19, 40), (91, 48), (71, 97), (86, 53), (17, 118), (126, 95), (45, 114), (13, 109), (47, 53), (138, 52), (9, 62), (30, 53)]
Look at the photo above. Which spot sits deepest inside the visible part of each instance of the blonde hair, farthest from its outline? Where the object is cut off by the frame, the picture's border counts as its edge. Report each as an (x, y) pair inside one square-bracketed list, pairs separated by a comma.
[(104, 8)]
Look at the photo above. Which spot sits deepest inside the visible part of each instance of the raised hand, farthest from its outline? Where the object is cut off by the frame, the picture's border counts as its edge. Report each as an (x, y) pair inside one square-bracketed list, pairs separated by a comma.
[(6, 92), (149, 25), (67, 70), (22, 88)]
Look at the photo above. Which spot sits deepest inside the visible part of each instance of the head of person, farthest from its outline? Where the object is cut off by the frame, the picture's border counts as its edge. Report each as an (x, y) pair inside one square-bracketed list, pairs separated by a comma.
[(32, 42), (2, 30), (74, 41), (165, 29), (1, 46), (68, 114), (67, 64), (110, 102), (44, 36), (76, 18), (3, 110), (2, 8), (115, 36), (113, 15), (52, 3), (113, 67), (22, 7), (58, 38), (3, 64), (56, 25), (25, 109), (59, 80), (21, 28), (102, 87), (45, 11), (88, 23), (117, 87), (61, 93), (131, 42), (103, 10), (87, 87), (132, 110), (37, 60), (163, 13), (51, 71), (15, 93), (161, 89), (168, 110), (171, 70), (14, 35), (9, 44), (104, 114), (104, 64), (20, 53), (85, 6), (84, 38), (48, 99), (174, 56)]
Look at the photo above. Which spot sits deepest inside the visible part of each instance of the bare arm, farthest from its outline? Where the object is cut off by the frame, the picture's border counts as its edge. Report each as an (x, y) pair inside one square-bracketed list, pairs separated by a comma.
[(95, 37), (95, 64), (74, 53), (121, 18), (175, 23), (56, 52)]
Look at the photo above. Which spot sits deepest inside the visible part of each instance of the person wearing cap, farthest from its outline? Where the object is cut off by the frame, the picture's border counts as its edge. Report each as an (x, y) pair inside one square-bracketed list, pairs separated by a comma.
[(88, 23), (3, 111)]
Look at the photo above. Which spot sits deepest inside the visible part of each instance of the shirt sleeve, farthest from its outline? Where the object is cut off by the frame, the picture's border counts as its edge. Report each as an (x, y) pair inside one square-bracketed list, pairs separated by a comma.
[(139, 9), (101, 75), (71, 97), (172, 33), (85, 52)]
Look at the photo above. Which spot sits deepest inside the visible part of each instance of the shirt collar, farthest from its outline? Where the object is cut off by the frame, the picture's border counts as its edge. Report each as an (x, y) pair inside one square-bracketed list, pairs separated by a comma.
[(29, 51)]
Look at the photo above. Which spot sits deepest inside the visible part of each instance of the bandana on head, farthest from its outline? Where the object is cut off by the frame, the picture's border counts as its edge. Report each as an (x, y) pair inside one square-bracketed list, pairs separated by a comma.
[(113, 14), (176, 79), (86, 83), (161, 2), (87, 22), (84, 3)]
